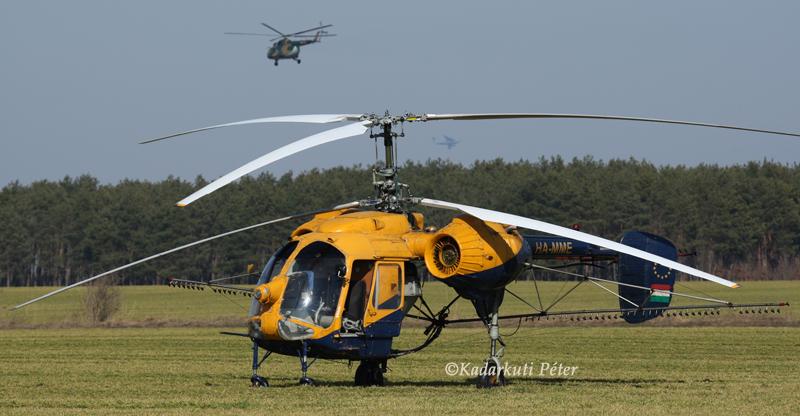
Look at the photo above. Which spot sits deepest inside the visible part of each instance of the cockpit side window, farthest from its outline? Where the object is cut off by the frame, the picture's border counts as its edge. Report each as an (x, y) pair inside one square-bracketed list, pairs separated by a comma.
[(277, 261), (387, 287)]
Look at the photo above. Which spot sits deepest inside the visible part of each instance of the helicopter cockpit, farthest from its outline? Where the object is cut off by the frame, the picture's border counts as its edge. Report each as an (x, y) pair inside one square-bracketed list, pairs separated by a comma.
[(302, 288), (306, 291), (314, 283)]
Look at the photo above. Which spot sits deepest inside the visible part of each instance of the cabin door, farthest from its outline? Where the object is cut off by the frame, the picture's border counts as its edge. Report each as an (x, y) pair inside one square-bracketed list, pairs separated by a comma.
[(386, 296)]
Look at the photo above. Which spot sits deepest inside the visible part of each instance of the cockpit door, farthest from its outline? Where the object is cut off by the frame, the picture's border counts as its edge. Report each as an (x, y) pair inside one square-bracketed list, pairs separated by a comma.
[(386, 296)]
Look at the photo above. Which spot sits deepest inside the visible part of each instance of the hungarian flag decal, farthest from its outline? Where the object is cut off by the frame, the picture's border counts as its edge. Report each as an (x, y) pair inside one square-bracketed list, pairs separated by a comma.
[(660, 293)]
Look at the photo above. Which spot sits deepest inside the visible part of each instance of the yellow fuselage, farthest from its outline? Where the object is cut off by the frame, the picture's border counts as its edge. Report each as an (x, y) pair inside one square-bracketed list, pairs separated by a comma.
[(376, 248)]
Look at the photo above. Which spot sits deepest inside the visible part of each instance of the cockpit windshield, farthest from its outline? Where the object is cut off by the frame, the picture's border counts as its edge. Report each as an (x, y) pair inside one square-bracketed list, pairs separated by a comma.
[(314, 284), (272, 269)]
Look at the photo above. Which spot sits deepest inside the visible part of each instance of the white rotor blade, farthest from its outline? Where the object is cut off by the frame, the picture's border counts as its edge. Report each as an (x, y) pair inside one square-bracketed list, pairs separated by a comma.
[(164, 253), (307, 118), (326, 136), (522, 222), (497, 116)]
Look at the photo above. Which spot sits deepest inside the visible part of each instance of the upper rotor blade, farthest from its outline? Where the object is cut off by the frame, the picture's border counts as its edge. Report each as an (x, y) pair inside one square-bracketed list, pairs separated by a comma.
[(495, 116), (164, 253), (306, 118), (248, 34), (529, 223), (272, 29), (326, 136), (309, 30)]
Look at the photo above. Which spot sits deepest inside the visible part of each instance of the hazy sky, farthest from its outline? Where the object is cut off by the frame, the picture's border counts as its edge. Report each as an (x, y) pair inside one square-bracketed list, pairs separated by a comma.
[(81, 82)]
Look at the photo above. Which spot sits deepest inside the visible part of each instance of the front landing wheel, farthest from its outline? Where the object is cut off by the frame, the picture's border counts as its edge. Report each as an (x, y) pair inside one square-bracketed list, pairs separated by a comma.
[(258, 381), (307, 381)]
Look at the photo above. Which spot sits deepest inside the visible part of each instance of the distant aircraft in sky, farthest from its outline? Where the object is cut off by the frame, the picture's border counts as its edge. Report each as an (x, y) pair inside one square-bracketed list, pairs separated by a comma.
[(447, 141), (288, 46)]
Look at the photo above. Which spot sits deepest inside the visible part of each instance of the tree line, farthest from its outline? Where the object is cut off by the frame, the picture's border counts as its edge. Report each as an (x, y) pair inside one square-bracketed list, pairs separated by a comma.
[(742, 221)]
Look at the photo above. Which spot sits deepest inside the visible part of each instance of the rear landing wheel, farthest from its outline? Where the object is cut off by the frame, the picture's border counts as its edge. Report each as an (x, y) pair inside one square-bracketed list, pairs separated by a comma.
[(369, 373), (492, 376), (276, 62)]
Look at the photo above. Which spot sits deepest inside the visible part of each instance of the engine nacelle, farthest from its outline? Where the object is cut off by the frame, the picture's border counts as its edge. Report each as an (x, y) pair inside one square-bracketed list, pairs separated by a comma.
[(468, 245)]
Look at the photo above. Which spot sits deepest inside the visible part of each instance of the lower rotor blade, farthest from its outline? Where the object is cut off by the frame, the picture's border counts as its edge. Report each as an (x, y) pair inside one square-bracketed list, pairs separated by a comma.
[(529, 223), (497, 116), (247, 34), (326, 136), (306, 118), (198, 242)]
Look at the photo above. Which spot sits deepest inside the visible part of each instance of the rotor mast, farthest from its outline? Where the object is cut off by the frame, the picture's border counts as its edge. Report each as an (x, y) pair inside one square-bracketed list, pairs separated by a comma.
[(390, 193)]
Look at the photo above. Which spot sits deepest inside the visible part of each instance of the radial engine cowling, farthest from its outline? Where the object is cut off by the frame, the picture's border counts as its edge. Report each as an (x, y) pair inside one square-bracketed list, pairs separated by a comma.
[(468, 245)]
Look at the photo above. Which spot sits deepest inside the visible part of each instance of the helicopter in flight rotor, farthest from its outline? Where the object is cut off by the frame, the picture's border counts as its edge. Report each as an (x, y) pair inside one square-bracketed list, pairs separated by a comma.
[(287, 46), (347, 277)]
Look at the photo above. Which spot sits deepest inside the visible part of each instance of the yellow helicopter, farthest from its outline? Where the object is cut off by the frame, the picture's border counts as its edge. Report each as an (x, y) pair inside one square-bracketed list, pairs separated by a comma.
[(348, 276)]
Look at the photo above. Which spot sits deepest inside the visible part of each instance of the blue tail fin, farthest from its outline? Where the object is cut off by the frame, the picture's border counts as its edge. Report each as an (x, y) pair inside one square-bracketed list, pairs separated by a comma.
[(658, 279)]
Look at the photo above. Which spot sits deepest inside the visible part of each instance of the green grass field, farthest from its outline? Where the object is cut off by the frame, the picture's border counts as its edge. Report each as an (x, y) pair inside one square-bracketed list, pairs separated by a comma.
[(185, 368), (166, 306)]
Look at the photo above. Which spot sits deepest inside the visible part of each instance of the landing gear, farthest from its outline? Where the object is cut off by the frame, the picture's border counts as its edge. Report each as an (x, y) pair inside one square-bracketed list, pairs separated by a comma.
[(297, 60), (256, 380), (492, 372), (305, 380), (370, 373), (276, 62), (492, 375)]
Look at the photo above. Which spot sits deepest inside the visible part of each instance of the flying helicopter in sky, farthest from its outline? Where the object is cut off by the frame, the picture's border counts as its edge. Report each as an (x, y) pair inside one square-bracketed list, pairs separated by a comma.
[(349, 275), (287, 46), (446, 141)]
